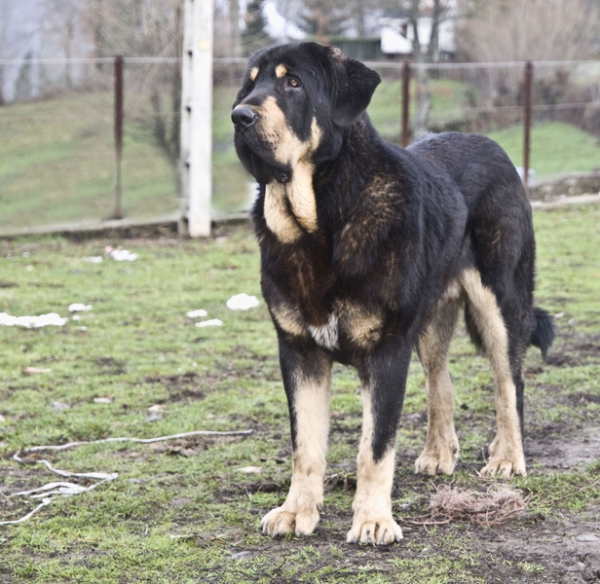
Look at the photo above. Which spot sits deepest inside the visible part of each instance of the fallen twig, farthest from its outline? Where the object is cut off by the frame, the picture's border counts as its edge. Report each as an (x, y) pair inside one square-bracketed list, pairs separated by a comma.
[(140, 440), (29, 515), (65, 489)]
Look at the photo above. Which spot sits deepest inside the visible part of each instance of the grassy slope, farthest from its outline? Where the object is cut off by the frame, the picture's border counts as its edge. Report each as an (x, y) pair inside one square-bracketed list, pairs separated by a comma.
[(555, 148), (231, 183), (58, 165), (175, 519), (385, 110)]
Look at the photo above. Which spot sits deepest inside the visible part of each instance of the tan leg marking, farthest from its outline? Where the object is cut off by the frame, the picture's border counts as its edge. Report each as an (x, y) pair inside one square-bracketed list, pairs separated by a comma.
[(299, 513), (441, 446), (506, 450), (373, 522)]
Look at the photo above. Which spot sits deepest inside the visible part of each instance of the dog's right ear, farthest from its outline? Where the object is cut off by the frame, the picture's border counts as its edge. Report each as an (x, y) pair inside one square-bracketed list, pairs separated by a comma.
[(353, 86)]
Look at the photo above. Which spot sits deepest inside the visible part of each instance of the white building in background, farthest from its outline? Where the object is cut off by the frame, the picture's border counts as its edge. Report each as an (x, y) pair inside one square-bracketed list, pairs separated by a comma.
[(27, 43), (395, 30), (397, 35), (22, 39), (278, 27)]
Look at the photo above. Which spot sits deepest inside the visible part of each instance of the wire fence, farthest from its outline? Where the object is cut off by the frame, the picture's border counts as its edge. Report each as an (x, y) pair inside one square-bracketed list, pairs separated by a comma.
[(59, 160), (57, 147)]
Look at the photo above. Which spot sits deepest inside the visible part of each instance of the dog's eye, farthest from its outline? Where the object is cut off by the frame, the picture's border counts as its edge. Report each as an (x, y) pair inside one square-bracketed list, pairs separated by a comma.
[(293, 82)]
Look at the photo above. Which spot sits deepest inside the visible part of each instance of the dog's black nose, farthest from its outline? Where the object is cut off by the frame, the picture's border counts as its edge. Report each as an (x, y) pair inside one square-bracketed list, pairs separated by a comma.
[(243, 117)]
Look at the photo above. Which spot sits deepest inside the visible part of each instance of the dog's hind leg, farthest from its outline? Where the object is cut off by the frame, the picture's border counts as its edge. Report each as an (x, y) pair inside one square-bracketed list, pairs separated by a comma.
[(307, 381), (441, 447), (383, 384), (506, 450)]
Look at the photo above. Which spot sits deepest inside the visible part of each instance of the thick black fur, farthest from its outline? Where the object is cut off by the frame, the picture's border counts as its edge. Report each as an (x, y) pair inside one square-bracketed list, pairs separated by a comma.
[(395, 228)]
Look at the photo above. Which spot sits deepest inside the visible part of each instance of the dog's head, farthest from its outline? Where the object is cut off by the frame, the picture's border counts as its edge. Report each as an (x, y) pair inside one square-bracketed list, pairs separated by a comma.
[(294, 104)]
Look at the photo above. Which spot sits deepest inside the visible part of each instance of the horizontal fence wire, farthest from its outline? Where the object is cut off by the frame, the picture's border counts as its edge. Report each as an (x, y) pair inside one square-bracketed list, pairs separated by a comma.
[(244, 61), (57, 153)]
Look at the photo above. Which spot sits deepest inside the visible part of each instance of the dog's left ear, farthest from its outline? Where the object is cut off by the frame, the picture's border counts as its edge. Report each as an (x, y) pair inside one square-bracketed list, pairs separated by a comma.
[(354, 84)]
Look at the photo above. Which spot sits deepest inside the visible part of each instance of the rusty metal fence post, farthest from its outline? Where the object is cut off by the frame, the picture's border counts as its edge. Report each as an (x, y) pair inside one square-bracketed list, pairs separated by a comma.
[(405, 103), (118, 88), (527, 124)]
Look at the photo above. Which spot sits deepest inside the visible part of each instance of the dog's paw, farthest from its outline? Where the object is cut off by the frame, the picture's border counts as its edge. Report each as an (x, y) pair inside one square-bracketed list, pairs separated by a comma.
[(504, 460), (281, 521), (374, 531), (504, 467), (440, 458)]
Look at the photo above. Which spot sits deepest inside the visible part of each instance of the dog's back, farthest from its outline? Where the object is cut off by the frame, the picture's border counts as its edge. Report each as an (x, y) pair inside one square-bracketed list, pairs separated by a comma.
[(497, 204), (480, 167)]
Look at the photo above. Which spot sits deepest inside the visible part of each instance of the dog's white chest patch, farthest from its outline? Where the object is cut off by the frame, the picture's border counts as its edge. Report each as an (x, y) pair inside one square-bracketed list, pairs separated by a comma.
[(326, 335)]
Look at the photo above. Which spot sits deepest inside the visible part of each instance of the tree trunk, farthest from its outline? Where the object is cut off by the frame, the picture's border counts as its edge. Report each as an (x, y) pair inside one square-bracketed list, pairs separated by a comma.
[(176, 91), (423, 94), (234, 15), (423, 100)]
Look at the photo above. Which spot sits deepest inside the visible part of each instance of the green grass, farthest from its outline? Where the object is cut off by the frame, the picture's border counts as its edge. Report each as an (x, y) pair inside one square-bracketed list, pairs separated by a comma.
[(180, 510), (59, 165), (232, 184), (448, 102), (556, 148)]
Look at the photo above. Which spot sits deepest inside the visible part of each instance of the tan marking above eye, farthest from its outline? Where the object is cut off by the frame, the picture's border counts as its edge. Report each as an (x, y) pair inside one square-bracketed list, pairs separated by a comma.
[(253, 73), (281, 71)]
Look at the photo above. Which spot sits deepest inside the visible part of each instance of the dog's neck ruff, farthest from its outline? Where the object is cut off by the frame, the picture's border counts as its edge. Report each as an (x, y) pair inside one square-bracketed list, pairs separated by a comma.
[(291, 208)]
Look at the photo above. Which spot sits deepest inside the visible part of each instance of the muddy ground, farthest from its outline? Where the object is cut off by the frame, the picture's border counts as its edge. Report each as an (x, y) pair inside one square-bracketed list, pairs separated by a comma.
[(556, 547), (559, 547)]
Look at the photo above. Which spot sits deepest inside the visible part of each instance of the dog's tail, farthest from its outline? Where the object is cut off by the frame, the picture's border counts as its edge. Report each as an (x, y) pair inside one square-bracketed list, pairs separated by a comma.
[(542, 331)]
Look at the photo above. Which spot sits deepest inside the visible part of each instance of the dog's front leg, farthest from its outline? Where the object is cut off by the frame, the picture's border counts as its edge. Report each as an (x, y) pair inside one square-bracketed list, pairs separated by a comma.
[(384, 380), (306, 374)]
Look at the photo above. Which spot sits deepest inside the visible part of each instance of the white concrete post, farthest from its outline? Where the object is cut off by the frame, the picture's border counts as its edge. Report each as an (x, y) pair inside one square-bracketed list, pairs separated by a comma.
[(184, 150), (196, 116)]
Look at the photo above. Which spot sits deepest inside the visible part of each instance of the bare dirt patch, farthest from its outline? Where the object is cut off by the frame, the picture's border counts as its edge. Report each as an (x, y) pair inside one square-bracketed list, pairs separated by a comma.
[(183, 387), (530, 546), (530, 549), (558, 453)]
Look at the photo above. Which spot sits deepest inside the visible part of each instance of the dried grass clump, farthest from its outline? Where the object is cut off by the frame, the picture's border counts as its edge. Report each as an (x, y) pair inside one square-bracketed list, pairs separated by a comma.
[(497, 505)]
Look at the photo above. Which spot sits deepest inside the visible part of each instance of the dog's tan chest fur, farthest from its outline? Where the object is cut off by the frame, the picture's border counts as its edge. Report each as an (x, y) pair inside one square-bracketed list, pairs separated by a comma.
[(291, 208), (347, 320)]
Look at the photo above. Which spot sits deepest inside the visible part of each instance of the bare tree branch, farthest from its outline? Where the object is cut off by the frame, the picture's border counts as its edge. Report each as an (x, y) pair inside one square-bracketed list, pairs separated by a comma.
[(518, 30)]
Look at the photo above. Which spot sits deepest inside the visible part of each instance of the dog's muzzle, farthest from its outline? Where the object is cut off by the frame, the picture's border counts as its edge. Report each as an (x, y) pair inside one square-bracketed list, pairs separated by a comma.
[(243, 117)]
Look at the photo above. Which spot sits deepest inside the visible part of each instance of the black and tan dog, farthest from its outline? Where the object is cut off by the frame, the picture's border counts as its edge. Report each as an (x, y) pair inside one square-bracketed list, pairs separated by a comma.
[(369, 250)]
